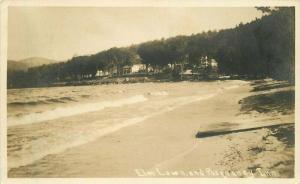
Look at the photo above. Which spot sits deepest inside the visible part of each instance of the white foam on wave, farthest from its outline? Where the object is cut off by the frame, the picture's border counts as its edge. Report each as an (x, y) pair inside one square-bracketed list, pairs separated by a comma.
[(74, 110), (40, 152)]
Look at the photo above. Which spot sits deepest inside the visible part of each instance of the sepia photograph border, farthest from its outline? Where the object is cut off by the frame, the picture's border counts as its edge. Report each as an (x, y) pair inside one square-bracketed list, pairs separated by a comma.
[(139, 3)]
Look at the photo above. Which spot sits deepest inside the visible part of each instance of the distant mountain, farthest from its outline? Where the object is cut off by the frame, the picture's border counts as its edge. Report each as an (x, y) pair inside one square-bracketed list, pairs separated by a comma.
[(23, 65), (16, 66)]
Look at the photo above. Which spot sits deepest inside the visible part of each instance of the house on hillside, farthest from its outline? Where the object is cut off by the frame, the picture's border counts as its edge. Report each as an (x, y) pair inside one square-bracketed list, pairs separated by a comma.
[(101, 73), (125, 70), (206, 69), (134, 69)]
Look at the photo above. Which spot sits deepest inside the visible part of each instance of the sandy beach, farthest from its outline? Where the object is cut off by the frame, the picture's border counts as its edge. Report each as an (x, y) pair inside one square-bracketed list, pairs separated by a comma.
[(165, 143)]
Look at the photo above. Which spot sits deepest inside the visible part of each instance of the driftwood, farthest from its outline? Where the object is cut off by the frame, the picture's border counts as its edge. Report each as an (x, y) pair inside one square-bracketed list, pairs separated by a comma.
[(218, 132)]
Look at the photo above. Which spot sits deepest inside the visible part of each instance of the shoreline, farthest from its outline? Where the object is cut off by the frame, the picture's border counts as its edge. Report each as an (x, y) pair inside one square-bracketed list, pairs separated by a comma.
[(129, 80)]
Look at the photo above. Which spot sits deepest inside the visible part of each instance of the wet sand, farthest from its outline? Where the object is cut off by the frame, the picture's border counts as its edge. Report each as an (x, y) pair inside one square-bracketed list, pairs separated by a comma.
[(165, 145)]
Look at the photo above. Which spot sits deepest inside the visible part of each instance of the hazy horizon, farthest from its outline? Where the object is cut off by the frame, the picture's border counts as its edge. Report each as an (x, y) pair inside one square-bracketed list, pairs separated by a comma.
[(60, 33)]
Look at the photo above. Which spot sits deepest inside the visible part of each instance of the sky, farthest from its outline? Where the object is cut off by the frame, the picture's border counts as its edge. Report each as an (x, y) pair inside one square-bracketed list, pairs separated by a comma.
[(59, 33)]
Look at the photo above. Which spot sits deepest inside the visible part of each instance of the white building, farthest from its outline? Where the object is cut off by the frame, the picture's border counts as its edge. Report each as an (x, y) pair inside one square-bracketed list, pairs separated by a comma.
[(137, 67), (213, 63)]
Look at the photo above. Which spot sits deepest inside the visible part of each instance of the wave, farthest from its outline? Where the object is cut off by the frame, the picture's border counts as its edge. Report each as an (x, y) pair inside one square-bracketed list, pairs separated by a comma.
[(85, 96), (73, 110), (84, 137), (43, 102), (27, 103), (28, 158)]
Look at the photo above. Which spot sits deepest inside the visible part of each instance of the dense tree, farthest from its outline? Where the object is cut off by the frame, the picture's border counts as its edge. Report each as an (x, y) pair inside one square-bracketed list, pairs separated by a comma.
[(152, 54), (276, 40)]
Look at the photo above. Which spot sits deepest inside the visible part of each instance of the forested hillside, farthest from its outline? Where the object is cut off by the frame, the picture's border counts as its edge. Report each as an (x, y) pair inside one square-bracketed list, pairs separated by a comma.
[(262, 48)]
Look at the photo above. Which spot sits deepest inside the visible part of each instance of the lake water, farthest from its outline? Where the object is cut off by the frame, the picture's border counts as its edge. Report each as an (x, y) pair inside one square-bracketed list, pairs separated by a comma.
[(43, 121)]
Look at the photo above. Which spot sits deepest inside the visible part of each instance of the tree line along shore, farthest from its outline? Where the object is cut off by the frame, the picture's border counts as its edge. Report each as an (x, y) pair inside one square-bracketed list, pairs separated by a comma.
[(262, 48)]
